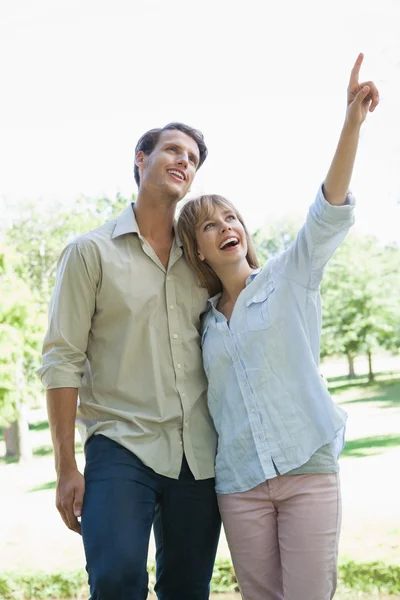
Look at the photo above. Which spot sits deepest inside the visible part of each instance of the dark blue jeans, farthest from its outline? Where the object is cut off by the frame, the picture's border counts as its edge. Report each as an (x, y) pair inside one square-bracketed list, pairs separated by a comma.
[(123, 499)]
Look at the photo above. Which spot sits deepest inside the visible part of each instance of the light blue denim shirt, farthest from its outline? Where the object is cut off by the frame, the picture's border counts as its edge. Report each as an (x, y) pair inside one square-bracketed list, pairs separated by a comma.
[(270, 406)]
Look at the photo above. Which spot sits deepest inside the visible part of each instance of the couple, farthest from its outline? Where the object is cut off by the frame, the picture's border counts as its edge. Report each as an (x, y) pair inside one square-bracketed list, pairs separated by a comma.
[(130, 328)]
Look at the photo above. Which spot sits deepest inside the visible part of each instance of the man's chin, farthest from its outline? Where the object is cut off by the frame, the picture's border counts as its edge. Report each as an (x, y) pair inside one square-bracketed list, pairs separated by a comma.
[(177, 192), (171, 190)]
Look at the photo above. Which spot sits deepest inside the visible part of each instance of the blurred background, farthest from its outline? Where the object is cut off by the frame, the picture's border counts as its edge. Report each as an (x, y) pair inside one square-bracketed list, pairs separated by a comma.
[(266, 84)]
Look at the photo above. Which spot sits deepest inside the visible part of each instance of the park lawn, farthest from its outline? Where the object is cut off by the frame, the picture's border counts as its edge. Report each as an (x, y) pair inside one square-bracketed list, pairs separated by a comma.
[(34, 537)]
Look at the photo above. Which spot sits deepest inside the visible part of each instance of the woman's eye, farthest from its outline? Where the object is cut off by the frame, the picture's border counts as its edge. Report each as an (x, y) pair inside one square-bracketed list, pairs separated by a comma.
[(231, 217), (207, 226)]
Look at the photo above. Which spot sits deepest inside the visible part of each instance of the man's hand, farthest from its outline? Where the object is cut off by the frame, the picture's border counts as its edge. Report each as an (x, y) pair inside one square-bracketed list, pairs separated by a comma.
[(69, 498), (361, 97)]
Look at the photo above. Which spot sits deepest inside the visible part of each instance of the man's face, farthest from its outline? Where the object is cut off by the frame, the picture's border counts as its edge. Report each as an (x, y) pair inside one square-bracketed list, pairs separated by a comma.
[(172, 165)]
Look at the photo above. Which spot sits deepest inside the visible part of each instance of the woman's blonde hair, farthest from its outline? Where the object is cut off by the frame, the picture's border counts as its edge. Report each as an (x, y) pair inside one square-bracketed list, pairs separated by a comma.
[(192, 214)]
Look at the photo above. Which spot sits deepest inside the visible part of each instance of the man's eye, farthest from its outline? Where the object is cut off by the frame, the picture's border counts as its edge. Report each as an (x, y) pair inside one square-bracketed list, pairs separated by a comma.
[(231, 217), (208, 226), (171, 148)]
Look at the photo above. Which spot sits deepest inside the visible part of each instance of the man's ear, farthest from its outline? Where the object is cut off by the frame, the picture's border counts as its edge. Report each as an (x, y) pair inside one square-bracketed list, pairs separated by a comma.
[(139, 159)]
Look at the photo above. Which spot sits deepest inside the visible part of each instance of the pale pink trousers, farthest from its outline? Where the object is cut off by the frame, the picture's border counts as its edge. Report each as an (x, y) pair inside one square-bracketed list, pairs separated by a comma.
[(283, 536)]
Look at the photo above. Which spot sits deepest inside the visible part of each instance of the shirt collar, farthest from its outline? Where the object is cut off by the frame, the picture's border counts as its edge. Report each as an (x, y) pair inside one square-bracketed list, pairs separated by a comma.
[(252, 275), (213, 301), (126, 223)]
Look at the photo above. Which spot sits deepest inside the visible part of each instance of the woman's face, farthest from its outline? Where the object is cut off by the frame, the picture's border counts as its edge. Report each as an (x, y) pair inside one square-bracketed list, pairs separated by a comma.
[(221, 239)]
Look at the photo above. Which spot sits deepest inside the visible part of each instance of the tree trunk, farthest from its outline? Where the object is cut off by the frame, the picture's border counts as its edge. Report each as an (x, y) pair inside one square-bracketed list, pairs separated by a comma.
[(16, 438), (11, 439), (17, 435), (352, 373), (371, 376)]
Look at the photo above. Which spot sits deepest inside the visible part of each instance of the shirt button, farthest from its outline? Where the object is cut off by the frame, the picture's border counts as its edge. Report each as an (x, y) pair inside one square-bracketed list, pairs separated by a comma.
[(186, 423), (180, 442), (183, 395), (172, 307), (252, 410), (179, 365), (175, 336)]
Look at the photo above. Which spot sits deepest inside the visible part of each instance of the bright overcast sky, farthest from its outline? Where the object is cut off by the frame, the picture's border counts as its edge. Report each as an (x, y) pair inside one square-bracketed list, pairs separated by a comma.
[(265, 82)]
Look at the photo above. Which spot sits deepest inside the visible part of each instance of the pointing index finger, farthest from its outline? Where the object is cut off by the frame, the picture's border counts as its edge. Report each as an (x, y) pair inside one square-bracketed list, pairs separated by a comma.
[(356, 70)]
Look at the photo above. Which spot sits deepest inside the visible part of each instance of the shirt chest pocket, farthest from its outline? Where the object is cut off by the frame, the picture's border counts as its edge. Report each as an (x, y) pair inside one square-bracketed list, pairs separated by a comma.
[(258, 308)]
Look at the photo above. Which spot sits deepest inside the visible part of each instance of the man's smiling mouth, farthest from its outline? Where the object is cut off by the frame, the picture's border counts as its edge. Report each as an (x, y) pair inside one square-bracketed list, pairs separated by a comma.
[(177, 174)]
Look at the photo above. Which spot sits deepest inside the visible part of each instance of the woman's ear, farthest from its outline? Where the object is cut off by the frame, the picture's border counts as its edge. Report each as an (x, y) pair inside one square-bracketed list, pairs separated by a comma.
[(201, 256)]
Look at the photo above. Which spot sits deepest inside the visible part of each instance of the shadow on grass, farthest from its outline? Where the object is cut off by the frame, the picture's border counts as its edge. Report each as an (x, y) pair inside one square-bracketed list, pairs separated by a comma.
[(369, 446), (50, 485), (47, 450), (387, 393), (8, 460), (344, 383), (43, 450), (41, 426)]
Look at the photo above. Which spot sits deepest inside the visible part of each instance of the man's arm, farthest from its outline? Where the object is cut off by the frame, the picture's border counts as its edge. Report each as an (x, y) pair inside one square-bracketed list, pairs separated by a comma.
[(61, 410), (361, 99), (64, 354)]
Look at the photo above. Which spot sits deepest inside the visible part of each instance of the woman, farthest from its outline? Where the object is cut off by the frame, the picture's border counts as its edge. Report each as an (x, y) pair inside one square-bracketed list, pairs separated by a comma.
[(279, 431)]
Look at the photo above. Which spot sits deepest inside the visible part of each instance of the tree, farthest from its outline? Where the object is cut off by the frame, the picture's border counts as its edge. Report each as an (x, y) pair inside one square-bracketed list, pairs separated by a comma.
[(360, 293), (40, 236), (275, 238), (34, 241), (19, 342)]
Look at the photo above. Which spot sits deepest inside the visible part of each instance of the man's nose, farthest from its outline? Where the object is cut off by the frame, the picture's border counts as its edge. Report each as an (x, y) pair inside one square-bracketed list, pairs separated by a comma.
[(183, 161)]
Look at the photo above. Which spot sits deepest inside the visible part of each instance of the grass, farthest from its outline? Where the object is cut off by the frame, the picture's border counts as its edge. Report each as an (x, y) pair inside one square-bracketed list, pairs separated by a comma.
[(40, 426), (50, 485), (360, 578), (384, 391), (368, 446)]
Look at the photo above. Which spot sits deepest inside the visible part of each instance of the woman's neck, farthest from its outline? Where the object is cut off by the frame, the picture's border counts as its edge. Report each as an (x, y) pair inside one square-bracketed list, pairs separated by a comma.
[(233, 279)]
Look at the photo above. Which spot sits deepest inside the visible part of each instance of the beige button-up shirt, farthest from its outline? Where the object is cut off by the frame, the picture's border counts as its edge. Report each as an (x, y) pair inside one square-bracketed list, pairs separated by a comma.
[(125, 331)]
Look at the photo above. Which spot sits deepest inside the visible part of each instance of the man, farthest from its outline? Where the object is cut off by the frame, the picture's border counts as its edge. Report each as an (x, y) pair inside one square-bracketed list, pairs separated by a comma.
[(123, 330)]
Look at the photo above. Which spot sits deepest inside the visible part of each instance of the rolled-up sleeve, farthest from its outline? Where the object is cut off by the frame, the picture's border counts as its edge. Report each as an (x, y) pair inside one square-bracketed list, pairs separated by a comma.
[(70, 313), (325, 229)]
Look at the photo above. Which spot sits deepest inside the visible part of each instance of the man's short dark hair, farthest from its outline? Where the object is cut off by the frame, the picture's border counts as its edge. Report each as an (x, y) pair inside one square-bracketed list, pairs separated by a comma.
[(149, 140)]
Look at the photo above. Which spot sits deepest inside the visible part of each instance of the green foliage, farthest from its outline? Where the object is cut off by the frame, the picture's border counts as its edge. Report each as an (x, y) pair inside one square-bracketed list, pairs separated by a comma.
[(374, 577), (360, 293), (19, 335), (223, 577), (276, 238), (370, 577), (39, 237), (40, 585), (28, 260)]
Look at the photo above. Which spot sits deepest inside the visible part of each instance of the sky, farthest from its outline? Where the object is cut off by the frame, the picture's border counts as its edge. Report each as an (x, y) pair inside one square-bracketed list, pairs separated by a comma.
[(265, 81)]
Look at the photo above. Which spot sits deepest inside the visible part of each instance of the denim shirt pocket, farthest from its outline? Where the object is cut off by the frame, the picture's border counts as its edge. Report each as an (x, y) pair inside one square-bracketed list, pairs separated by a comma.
[(257, 308)]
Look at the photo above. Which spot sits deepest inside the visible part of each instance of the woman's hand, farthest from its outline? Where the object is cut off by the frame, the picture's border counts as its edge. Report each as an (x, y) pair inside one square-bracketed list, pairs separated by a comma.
[(361, 97)]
